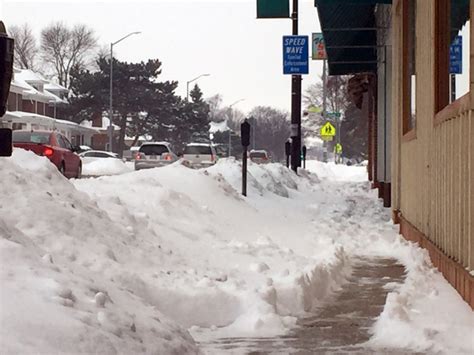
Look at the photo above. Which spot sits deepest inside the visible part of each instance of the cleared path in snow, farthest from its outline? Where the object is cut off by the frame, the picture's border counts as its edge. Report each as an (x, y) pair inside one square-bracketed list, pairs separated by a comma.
[(340, 326)]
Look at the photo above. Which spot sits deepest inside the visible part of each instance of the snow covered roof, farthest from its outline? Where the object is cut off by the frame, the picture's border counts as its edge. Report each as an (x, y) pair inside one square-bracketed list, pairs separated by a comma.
[(103, 127), (30, 76), (218, 127), (23, 81), (52, 123), (55, 87), (54, 98)]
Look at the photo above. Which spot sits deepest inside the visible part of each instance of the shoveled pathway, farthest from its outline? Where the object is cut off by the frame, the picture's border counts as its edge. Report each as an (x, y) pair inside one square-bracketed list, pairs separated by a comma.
[(340, 327)]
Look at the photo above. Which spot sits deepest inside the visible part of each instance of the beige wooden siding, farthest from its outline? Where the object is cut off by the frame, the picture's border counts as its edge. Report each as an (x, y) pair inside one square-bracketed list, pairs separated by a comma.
[(433, 185), (452, 188)]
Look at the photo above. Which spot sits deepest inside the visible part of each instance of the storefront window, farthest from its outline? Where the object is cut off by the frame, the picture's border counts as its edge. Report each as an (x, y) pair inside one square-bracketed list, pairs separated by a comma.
[(453, 48), (459, 49), (409, 37)]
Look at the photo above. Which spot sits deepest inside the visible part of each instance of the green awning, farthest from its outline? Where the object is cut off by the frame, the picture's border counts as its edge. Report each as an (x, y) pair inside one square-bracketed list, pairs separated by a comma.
[(350, 34)]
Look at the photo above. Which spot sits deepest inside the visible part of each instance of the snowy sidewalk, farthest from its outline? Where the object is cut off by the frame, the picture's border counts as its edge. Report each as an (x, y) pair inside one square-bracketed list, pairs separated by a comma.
[(158, 261), (340, 326)]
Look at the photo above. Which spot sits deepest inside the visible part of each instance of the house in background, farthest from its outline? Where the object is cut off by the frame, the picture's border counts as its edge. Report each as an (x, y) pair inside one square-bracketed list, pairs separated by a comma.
[(100, 138), (35, 103), (415, 87)]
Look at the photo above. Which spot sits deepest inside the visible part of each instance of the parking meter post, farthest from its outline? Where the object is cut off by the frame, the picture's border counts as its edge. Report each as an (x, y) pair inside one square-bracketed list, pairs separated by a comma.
[(244, 172), (245, 138), (287, 152), (304, 156)]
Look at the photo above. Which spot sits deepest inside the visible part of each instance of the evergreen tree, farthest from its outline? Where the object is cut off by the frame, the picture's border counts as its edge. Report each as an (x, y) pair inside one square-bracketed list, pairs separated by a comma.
[(140, 102)]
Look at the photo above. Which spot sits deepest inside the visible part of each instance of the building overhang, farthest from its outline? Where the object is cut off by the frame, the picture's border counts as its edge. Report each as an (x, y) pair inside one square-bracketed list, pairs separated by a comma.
[(350, 32)]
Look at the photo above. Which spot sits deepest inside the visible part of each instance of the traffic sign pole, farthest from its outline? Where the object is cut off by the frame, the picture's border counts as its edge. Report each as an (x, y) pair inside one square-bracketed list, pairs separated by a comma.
[(325, 144), (295, 104)]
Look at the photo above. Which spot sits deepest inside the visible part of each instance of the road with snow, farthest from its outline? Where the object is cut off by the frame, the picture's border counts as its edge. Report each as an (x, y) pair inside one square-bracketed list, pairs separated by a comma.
[(174, 260)]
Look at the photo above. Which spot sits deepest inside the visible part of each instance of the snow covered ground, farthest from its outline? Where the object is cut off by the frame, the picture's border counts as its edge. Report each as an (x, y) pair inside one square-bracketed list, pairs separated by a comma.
[(150, 261)]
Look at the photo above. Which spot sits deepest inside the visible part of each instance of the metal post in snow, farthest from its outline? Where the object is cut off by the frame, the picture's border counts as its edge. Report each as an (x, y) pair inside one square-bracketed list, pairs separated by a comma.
[(295, 104), (325, 143), (111, 127)]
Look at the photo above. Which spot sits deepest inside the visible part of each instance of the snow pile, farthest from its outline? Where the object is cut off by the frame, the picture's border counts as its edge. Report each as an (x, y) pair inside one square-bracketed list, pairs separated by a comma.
[(232, 268), (426, 313), (65, 271), (106, 166), (262, 178), (338, 172), (114, 264)]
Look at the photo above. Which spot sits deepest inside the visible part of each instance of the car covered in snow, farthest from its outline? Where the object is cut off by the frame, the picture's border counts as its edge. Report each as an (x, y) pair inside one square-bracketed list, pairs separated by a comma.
[(52, 145), (93, 155), (153, 155), (199, 155), (259, 156)]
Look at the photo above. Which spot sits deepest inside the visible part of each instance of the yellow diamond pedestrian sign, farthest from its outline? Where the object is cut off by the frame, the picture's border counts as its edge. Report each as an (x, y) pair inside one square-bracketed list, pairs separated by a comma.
[(327, 130)]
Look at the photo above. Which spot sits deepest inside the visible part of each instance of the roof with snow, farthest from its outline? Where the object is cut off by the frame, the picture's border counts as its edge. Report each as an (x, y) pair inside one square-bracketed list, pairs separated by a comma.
[(30, 76), (218, 127)]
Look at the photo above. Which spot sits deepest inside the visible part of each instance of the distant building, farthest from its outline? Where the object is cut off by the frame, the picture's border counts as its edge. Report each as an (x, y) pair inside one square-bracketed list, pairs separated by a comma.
[(35, 103)]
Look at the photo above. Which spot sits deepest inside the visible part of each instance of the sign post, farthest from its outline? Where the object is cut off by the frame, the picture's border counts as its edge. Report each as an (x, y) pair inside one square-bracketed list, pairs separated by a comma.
[(245, 137), (295, 63)]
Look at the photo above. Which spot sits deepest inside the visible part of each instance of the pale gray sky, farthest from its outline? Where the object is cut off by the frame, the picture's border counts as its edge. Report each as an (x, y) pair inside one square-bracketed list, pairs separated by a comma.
[(191, 37)]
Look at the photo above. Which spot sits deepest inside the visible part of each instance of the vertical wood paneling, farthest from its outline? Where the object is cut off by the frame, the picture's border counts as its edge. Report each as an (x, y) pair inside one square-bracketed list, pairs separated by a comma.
[(434, 173)]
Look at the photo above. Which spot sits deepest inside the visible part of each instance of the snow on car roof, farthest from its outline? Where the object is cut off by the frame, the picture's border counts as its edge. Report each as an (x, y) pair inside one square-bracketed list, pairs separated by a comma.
[(150, 143), (199, 144), (258, 151)]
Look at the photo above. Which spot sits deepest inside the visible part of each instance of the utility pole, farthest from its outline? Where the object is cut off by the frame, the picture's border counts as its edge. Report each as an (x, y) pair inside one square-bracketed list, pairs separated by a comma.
[(295, 104), (325, 143), (230, 131), (111, 110)]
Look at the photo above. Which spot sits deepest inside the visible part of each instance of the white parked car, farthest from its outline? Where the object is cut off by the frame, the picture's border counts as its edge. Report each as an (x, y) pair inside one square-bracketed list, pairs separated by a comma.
[(153, 155), (93, 155), (199, 155)]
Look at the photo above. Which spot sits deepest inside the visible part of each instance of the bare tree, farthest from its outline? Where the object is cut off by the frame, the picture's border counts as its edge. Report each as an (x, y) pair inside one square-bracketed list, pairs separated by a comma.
[(25, 46), (337, 98), (64, 49), (270, 128)]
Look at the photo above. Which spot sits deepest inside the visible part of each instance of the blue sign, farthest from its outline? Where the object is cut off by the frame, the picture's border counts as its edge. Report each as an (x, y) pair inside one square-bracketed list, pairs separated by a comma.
[(455, 56), (295, 55)]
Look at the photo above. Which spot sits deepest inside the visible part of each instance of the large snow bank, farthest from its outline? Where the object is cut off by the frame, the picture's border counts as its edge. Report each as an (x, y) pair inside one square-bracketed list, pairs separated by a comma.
[(111, 268), (70, 274), (235, 266), (105, 166), (337, 172)]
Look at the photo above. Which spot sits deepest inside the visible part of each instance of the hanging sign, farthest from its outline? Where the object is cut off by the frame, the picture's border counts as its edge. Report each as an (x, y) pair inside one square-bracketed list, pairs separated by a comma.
[(319, 47)]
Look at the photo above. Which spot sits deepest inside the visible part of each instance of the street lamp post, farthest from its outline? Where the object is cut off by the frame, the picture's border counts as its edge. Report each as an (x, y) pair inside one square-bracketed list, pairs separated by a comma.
[(111, 127), (190, 81), (230, 131)]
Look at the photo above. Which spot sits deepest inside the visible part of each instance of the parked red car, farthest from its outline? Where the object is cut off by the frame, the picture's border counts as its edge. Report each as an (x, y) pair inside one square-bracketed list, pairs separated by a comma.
[(52, 145)]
